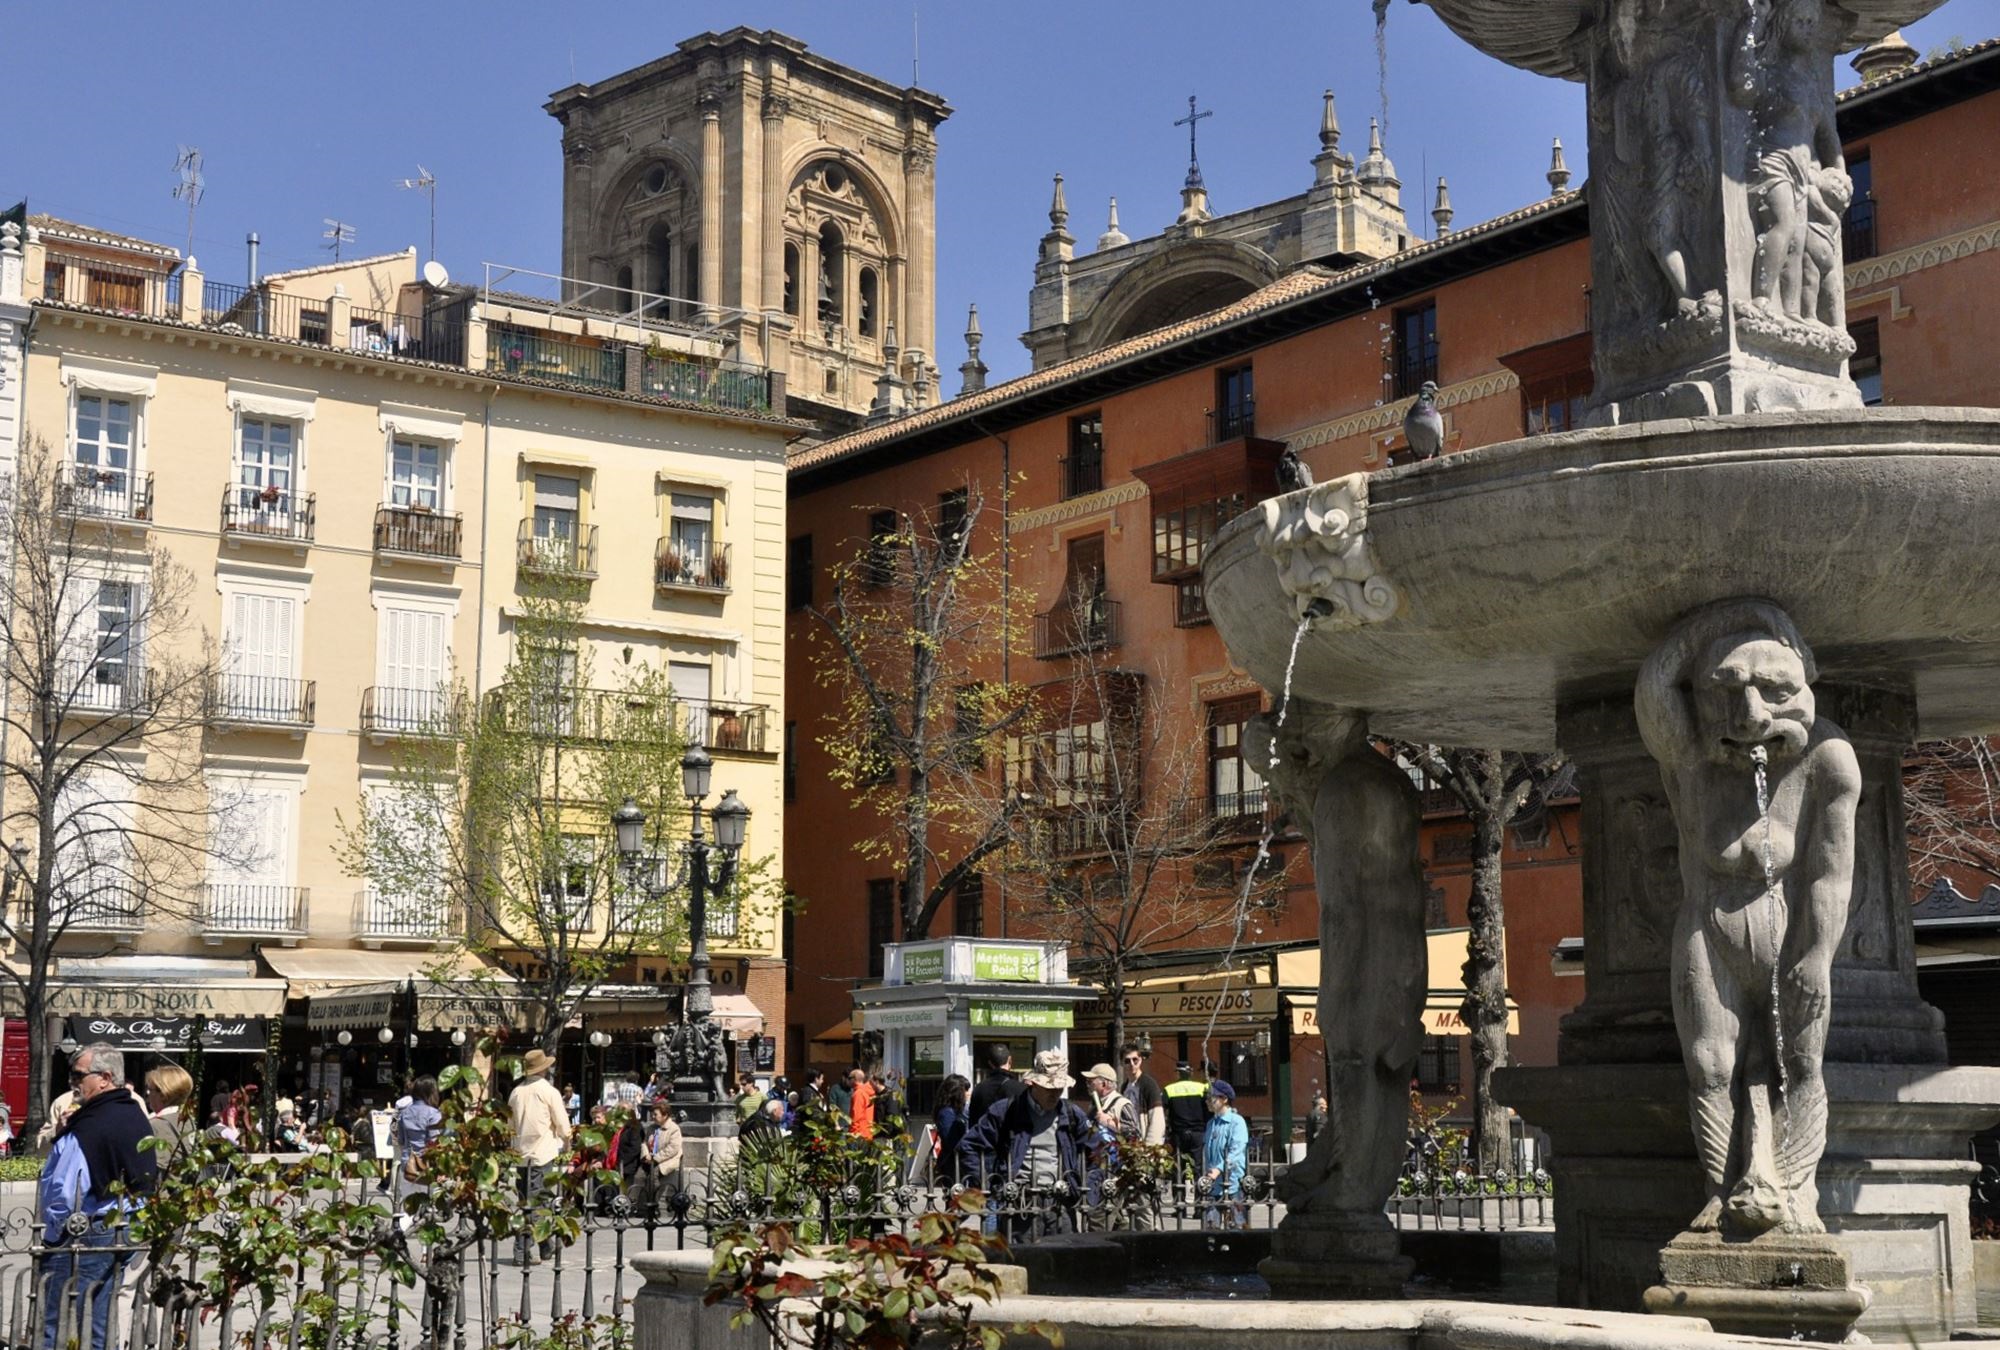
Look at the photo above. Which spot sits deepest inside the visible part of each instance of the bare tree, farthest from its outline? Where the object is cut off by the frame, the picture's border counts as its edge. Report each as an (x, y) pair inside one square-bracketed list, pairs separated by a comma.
[(500, 814), (106, 685), (1494, 787), (1951, 806), (1122, 834), (913, 636)]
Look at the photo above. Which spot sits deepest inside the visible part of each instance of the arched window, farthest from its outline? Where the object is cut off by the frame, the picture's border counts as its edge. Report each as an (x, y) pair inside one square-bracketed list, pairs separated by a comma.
[(865, 321), (625, 288), (660, 258), (792, 279), (832, 278)]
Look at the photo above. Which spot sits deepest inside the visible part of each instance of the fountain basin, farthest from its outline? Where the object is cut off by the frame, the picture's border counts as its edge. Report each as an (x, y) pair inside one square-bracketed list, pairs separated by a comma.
[(1545, 569), (670, 1315)]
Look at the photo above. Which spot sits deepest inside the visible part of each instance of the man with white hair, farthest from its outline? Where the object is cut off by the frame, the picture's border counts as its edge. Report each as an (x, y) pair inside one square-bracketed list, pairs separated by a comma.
[(82, 1217)]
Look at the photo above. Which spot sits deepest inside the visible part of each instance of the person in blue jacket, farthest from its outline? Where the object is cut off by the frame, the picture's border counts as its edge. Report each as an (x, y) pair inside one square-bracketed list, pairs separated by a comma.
[(1224, 1155), (82, 1217)]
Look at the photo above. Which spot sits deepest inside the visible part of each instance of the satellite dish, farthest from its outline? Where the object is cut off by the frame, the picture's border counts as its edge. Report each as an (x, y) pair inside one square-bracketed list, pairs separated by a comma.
[(435, 276)]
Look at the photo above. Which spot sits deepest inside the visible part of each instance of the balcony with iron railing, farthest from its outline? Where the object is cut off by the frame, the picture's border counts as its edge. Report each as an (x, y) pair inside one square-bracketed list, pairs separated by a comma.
[(113, 907), (267, 513), (1227, 815), (570, 557), (382, 919), (416, 532), (606, 715), (107, 285), (1232, 421), (103, 688), (681, 566), (116, 496), (716, 384), (1082, 474), (1071, 628), (389, 711), (540, 356), (253, 910), (261, 701)]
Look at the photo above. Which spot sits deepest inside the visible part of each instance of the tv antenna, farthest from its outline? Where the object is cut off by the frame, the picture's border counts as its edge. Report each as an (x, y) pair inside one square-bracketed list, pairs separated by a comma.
[(425, 182), (187, 165), (336, 234)]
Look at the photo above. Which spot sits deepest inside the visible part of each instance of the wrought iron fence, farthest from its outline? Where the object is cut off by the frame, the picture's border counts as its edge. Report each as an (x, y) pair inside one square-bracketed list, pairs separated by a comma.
[(270, 700), (387, 710), (720, 384), (253, 908), (379, 916), (410, 529)]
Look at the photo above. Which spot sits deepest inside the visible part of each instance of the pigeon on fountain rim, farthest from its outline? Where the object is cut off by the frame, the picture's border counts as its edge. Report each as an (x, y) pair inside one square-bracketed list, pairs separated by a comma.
[(1423, 424)]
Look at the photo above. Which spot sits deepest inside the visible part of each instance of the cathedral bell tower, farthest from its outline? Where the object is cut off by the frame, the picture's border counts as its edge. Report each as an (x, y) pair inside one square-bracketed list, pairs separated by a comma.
[(744, 185)]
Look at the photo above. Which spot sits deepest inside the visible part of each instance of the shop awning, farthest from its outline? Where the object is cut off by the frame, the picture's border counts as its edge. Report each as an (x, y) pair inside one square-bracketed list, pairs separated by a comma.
[(625, 1007), (154, 986), (737, 1015), (311, 971)]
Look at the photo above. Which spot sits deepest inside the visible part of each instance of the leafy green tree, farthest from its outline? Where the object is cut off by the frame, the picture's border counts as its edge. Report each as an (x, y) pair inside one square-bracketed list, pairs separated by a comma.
[(499, 816)]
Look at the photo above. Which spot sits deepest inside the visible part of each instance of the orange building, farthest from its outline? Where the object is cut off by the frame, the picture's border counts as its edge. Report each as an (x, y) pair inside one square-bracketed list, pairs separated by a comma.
[(1112, 469)]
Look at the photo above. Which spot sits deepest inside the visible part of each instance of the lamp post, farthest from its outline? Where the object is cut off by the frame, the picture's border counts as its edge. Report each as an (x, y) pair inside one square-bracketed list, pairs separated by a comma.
[(695, 1049)]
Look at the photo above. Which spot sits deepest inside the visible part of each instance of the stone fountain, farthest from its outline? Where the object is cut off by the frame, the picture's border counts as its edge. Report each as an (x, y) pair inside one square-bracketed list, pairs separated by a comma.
[(1734, 602)]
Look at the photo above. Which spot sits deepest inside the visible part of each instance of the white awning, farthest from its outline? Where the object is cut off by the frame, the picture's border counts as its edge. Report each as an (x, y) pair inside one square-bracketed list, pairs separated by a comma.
[(312, 971), (738, 1015), (144, 986)]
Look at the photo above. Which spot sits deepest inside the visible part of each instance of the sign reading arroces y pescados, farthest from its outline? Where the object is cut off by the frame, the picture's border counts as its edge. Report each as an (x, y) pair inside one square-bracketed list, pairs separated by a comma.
[(1007, 965)]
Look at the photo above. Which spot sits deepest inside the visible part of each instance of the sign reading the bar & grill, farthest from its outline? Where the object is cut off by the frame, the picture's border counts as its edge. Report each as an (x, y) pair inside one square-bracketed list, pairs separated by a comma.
[(1008, 965), (173, 1033)]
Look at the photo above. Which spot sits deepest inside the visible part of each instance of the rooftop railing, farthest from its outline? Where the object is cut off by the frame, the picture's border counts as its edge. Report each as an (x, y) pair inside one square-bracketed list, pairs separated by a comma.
[(517, 351), (718, 384)]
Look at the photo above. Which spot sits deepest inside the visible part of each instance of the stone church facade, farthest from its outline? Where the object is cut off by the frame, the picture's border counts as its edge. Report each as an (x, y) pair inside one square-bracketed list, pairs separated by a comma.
[(744, 183), (1353, 212)]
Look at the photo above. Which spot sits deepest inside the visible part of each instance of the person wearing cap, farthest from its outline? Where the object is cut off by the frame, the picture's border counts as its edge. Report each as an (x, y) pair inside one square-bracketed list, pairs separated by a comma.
[(1187, 1118), (1113, 1109), (1224, 1154), (1035, 1140)]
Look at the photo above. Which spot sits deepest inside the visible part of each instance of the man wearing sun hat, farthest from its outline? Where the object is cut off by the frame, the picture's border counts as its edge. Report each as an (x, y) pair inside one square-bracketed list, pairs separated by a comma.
[(541, 1126), (1039, 1140)]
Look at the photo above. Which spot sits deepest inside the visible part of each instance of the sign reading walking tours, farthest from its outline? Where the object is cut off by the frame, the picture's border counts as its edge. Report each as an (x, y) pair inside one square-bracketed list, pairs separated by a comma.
[(1024, 1016)]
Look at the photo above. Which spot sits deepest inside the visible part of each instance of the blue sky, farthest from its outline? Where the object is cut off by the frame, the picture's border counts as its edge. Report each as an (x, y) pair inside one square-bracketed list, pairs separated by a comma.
[(309, 112)]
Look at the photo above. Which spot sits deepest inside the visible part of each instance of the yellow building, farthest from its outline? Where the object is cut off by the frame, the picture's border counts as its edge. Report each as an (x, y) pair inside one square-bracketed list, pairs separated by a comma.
[(362, 468)]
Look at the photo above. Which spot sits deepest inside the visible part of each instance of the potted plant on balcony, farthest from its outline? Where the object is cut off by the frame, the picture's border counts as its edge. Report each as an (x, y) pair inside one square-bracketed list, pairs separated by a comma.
[(671, 565), (269, 496), (718, 568)]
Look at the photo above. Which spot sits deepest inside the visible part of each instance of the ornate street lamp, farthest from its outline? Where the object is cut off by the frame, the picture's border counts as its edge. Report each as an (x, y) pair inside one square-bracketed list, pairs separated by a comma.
[(695, 1049)]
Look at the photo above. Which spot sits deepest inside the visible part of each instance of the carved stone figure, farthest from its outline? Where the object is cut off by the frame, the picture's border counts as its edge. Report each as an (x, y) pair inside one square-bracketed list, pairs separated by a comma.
[(1765, 896), (1360, 815), (1797, 146), (1319, 540)]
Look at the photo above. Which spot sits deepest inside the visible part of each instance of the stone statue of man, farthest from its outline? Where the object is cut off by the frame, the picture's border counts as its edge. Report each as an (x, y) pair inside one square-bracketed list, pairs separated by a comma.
[(1360, 814), (1726, 700)]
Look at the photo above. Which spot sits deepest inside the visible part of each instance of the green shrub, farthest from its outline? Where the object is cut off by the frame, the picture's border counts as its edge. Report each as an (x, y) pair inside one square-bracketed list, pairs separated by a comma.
[(20, 1169)]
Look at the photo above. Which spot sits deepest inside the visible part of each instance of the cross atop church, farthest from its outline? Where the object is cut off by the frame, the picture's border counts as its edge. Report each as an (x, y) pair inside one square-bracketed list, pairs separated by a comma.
[(1191, 123)]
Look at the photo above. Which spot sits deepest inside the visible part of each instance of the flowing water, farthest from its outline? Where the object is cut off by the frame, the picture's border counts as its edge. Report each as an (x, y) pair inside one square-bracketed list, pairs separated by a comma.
[(1263, 854), (1760, 760), (1382, 61)]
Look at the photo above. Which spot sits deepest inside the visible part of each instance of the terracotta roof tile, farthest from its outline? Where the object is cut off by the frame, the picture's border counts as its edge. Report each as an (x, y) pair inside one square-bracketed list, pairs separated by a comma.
[(59, 228)]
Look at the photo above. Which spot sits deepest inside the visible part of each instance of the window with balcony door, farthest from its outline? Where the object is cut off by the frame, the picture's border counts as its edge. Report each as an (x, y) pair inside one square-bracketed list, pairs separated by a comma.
[(551, 692), (93, 883), (412, 667), (878, 568), (1858, 226), (1414, 352), (260, 656), (558, 519), (102, 451), (691, 551), (250, 877), (1235, 788), (1083, 471), (267, 466), (1865, 367), (571, 881), (949, 523), (691, 683), (416, 474), (115, 669), (421, 909), (1235, 404)]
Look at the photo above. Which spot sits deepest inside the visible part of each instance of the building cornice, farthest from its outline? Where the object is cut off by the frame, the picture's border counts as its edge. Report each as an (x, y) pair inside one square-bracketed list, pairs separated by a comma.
[(1886, 267), (1075, 507)]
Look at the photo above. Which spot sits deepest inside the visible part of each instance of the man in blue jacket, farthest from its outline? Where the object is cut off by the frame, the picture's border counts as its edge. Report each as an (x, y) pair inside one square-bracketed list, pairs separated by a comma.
[(1037, 1140), (82, 1218)]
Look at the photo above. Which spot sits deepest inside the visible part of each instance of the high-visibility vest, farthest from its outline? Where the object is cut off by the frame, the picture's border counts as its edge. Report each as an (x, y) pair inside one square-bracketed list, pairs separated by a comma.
[(1186, 1111)]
